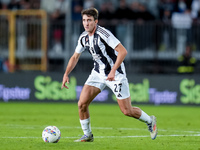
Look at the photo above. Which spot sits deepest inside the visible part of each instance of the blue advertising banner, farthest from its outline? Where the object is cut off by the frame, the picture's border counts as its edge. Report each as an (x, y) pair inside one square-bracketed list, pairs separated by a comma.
[(144, 89)]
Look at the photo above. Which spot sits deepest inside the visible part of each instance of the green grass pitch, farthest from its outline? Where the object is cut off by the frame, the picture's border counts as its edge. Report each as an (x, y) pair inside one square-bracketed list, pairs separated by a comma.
[(21, 126)]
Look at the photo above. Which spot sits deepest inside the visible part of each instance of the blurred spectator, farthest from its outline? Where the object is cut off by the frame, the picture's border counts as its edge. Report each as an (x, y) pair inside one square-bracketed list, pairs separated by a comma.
[(122, 12), (35, 4), (186, 61), (135, 10), (103, 14), (4, 65), (165, 39), (48, 5), (195, 13), (88, 4), (122, 15), (60, 7), (182, 5), (58, 27), (4, 4), (77, 6), (182, 22), (166, 17), (14, 5), (107, 11), (195, 8), (143, 40), (106, 16), (144, 14), (150, 4), (25, 4), (165, 8), (177, 13)]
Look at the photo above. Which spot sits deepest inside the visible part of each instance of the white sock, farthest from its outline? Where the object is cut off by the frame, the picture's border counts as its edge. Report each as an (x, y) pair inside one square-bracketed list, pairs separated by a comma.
[(86, 126), (145, 118)]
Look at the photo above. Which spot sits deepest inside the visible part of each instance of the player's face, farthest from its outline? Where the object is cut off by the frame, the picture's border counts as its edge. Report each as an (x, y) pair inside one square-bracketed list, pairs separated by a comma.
[(89, 23)]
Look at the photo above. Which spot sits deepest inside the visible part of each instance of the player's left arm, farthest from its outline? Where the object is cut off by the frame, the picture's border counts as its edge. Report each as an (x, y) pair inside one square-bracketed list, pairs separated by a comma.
[(122, 52)]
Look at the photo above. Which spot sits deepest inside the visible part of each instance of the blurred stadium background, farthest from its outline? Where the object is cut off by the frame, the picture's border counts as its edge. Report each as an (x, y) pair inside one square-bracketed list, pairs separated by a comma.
[(39, 36)]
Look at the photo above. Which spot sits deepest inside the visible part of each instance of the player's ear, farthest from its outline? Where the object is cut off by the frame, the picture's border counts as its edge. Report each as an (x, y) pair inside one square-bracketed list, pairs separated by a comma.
[(96, 21)]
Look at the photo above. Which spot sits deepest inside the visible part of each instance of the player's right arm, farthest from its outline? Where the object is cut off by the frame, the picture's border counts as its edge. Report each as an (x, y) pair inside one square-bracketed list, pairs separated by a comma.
[(71, 64), (74, 59)]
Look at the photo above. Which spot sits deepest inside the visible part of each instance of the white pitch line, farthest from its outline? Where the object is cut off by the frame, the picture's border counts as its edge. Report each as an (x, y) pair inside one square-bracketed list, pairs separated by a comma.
[(135, 136), (99, 128)]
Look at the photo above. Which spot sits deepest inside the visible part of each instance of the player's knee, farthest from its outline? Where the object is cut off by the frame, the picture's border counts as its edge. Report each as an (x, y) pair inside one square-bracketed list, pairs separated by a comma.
[(126, 112), (82, 106)]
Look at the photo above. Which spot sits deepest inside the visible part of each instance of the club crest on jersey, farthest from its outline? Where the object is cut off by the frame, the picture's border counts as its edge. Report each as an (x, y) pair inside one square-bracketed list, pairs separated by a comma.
[(87, 41)]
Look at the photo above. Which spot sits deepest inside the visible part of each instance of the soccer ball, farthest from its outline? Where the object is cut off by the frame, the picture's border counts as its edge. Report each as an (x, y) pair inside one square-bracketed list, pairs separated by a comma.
[(51, 134)]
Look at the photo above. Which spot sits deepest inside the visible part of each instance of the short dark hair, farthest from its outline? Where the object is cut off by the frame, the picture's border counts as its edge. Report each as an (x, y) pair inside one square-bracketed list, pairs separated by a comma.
[(90, 12)]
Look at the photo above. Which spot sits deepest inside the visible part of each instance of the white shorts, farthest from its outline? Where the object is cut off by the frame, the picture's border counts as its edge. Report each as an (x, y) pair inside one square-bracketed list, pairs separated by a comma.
[(120, 86)]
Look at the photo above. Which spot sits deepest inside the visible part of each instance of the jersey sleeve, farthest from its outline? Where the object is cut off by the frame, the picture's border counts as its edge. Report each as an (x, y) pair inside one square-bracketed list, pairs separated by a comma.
[(111, 40), (80, 47), (108, 37)]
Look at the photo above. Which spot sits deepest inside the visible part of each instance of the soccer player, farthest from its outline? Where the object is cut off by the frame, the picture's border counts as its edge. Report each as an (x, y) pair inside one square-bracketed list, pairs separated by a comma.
[(109, 70)]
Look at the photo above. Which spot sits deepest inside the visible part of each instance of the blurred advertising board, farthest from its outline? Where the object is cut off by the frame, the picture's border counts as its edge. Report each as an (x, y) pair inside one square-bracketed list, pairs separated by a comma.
[(144, 88)]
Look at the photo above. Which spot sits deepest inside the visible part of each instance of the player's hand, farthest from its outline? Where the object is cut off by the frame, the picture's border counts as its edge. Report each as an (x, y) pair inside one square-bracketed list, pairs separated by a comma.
[(65, 80), (111, 76)]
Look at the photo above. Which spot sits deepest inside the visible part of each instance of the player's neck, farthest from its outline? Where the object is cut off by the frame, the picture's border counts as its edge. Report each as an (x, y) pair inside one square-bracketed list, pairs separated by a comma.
[(93, 31)]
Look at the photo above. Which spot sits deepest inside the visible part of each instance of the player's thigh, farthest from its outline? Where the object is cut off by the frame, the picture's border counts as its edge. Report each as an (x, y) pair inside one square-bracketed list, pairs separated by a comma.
[(124, 104), (88, 93)]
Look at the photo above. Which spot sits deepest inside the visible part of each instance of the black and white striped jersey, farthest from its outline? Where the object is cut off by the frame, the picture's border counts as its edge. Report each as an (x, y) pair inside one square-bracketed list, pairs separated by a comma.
[(101, 46)]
